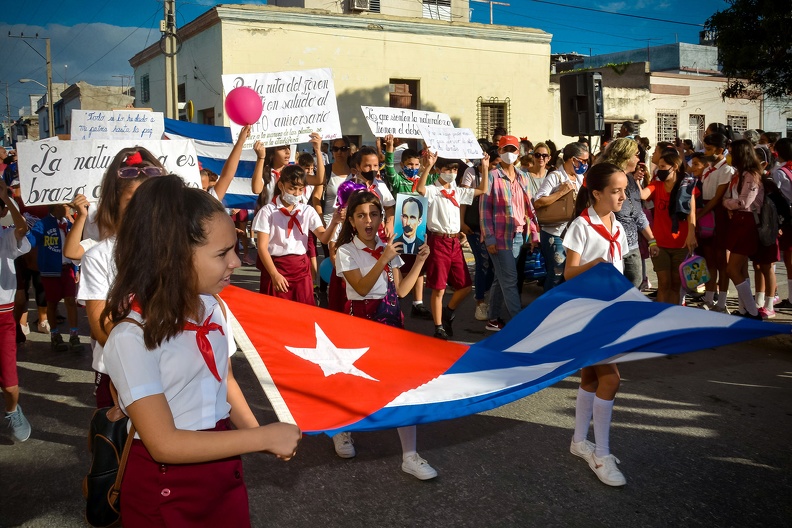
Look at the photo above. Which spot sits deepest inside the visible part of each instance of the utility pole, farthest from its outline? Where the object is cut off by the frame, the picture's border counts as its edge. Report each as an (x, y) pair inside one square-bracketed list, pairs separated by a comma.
[(48, 58), (491, 2), (170, 41)]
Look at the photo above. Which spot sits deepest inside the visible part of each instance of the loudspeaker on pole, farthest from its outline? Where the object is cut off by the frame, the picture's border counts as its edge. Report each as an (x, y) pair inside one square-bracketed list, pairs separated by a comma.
[(582, 106)]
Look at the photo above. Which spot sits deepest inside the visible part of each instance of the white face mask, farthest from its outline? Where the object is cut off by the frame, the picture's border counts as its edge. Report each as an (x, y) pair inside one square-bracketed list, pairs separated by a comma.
[(290, 199), (509, 158), (447, 177)]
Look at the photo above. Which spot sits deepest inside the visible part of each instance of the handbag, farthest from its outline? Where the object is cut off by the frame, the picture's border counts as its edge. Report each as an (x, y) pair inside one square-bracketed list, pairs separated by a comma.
[(693, 272), (389, 311), (705, 225), (558, 212)]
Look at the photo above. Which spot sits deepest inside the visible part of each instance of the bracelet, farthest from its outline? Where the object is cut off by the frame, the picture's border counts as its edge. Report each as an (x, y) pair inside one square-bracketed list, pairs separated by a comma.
[(652, 242)]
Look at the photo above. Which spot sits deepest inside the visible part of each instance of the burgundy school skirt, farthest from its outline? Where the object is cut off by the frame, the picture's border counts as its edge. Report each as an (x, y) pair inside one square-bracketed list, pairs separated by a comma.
[(336, 294), (365, 309), (183, 495), (297, 270), (743, 235), (767, 254), (722, 222), (311, 250)]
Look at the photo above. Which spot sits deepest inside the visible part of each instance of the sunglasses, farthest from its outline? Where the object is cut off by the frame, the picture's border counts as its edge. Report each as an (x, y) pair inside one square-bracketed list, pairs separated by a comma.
[(341, 149), (539, 155), (134, 172)]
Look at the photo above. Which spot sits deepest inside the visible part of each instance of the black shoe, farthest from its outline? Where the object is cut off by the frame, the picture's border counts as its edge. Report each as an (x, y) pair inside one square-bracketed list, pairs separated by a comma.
[(448, 321), (785, 304), (20, 335), (747, 315), (420, 311), (440, 333), (56, 341), (75, 345)]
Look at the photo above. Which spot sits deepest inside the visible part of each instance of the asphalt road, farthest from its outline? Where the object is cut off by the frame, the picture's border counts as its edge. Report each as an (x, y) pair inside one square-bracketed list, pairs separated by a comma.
[(704, 440)]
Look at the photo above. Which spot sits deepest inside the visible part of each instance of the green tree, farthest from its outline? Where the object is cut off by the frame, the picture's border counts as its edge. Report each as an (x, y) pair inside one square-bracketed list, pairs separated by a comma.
[(754, 47)]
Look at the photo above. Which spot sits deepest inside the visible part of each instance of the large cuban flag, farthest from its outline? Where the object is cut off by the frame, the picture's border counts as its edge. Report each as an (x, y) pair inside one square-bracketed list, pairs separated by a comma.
[(213, 145), (331, 372)]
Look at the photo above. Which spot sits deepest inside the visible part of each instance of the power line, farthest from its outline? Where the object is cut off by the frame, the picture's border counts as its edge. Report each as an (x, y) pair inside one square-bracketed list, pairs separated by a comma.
[(618, 14)]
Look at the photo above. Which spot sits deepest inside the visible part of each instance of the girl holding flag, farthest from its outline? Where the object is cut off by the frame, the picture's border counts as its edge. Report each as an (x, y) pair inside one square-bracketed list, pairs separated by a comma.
[(596, 236)]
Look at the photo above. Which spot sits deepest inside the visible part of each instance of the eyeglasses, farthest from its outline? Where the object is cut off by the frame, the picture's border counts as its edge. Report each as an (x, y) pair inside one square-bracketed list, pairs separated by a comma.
[(134, 172), (341, 149), (539, 155)]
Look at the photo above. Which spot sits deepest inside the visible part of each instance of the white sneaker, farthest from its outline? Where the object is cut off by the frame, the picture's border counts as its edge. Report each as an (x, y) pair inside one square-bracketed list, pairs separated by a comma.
[(481, 311), (584, 449), (44, 327), (606, 470), (25, 329), (418, 467), (344, 446)]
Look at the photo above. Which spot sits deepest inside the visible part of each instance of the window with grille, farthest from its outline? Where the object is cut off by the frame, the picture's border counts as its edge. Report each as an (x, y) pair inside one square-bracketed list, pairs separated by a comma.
[(374, 6), (145, 94), (696, 129), (492, 113), (437, 9), (667, 126), (739, 123)]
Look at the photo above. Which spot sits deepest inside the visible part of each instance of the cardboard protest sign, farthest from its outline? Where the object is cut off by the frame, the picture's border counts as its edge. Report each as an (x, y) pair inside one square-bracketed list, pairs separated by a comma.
[(410, 224), (452, 143), (296, 103), (402, 122), (117, 124), (52, 172)]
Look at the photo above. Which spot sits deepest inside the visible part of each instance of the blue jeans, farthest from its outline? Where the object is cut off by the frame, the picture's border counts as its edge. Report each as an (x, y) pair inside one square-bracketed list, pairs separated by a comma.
[(504, 287), (483, 276), (555, 257)]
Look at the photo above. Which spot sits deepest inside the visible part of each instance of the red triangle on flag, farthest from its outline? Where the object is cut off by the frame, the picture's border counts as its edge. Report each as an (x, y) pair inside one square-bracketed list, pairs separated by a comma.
[(332, 369)]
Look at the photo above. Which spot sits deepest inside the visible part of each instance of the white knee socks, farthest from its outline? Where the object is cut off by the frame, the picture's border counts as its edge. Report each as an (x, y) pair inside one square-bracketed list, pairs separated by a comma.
[(603, 411), (744, 293), (409, 443), (584, 408)]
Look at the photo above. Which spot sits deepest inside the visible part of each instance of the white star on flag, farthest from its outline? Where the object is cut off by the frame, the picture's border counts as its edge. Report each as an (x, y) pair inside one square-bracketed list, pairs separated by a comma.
[(331, 359)]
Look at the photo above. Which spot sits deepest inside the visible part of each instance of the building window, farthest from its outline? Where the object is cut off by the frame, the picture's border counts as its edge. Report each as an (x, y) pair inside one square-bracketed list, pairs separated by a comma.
[(437, 9), (207, 116), (739, 123), (145, 94), (789, 128), (492, 113), (182, 93), (667, 126), (374, 6), (696, 129)]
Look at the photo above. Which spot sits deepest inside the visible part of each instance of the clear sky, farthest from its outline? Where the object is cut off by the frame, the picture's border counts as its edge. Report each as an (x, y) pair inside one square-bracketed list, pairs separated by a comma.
[(93, 40)]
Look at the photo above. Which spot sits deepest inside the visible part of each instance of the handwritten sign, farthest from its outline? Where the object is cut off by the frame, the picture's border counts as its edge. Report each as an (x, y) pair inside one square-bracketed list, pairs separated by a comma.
[(296, 103), (117, 124), (452, 143), (402, 122), (53, 172)]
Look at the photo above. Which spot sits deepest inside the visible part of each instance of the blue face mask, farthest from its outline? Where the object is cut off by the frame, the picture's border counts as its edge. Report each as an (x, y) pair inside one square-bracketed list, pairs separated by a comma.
[(581, 168), (411, 173)]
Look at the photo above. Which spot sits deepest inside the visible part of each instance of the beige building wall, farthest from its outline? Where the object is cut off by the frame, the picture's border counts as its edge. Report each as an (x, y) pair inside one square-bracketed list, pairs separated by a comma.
[(455, 64)]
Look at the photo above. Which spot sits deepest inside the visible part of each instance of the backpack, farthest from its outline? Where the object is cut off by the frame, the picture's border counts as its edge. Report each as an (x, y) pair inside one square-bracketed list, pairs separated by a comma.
[(693, 272), (773, 213), (681, 200)]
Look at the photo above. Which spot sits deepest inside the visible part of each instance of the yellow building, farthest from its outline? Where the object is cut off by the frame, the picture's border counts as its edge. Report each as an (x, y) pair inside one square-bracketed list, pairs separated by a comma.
[(481, 75)]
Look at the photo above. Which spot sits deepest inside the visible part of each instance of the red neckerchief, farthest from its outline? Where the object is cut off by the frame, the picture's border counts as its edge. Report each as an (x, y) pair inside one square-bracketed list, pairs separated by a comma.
[(377, 253), (415, 183), (63, 225), (613, 239), (201, 338), (712, 168), (450, 196), (292, 220)]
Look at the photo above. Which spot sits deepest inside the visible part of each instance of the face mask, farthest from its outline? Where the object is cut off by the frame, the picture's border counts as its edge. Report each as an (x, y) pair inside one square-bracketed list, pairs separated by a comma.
[(290, 199), (662, 175), (509, 157), (581, 169), (411, 173), (447, 177), (368, 175)]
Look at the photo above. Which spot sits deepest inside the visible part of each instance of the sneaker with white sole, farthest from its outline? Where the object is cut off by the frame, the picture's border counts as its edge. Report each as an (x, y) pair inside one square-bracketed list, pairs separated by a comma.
[(20, 427), (344, 445), (494, 325), (418, 467), (481, 312), (767, 314), (25, 329), (606, 470), (44, 327), (584, 449)]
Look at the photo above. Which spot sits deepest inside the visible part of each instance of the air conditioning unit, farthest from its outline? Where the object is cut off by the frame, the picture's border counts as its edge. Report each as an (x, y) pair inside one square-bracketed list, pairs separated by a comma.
[(359, 5)]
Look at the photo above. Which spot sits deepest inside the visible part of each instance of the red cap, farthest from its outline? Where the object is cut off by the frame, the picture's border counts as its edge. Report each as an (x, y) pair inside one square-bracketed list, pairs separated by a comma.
[(505, 141)]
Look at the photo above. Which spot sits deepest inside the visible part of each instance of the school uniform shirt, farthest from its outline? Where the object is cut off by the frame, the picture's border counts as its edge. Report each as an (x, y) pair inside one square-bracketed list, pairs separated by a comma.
[(378, 187), (10, 248), (584, 240), (176, 369), (97, 273), (551, 183), (713, 177), (782, 176), (352, 256), (443, 214), (284, 241)]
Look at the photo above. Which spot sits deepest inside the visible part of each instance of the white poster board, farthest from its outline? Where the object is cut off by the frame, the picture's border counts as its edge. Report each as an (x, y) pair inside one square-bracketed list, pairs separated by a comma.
[(53, 172), (402, 122), (117, 124), (452, 143), (296, 103)]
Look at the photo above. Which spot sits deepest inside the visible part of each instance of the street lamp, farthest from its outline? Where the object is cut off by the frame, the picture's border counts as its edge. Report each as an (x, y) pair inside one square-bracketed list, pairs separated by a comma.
[(50, 115)]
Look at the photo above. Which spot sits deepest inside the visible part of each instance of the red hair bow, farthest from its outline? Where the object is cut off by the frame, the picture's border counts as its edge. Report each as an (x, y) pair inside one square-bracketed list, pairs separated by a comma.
[(134, 159)]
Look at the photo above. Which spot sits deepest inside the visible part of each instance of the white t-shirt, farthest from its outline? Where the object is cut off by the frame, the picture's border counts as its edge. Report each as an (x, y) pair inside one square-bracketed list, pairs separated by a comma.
[(176, 369), (330, 193), (712, 179), (443, 215), (91, 227), (352, 256), (10, 248), (551, 183), (272, 221), (97, 273), (590, 245)]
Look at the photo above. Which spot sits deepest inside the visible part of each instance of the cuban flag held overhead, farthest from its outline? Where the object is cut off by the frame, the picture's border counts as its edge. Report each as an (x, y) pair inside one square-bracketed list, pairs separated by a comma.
[(331, 372)]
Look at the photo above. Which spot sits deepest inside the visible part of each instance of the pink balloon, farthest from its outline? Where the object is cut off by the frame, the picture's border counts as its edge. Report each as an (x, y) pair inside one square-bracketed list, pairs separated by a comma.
[(243, 106)]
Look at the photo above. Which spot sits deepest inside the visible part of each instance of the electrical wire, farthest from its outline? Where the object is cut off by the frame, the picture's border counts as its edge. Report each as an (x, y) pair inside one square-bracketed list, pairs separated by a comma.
[(594, 10)]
